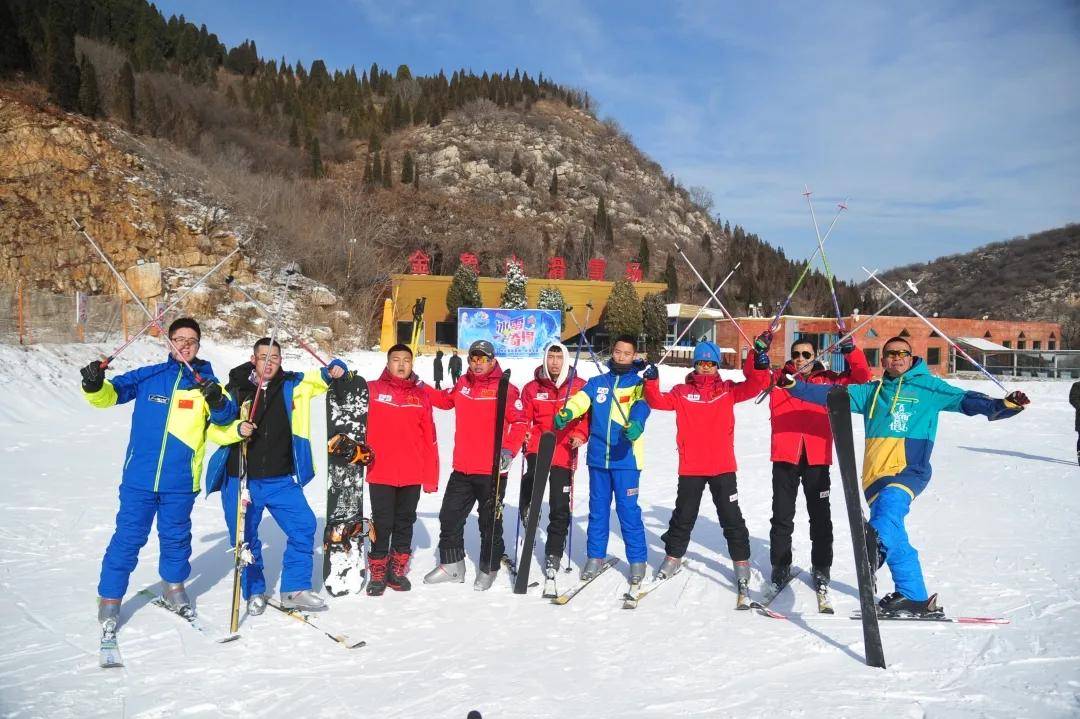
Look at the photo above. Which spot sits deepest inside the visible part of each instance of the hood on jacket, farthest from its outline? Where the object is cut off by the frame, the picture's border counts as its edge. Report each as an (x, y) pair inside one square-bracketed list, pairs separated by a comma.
[(542, 371), (918, 367)]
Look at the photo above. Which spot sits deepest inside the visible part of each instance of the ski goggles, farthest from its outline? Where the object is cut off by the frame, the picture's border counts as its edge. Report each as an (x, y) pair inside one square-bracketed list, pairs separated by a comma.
[(897, 353), (705, 363), (482, 359), (804, 355)]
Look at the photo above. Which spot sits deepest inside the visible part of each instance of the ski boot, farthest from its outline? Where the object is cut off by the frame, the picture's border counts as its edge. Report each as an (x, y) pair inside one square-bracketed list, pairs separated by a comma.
[(742, 581), (669, 568), (399, 567), (442, 573), (108, 613), (256, 605), (176, 598), (551, 566), (897, 605), (484, 580), (821, 585), (637, 572), (592, 568), (781, 575), (376, 576), (303, 599)]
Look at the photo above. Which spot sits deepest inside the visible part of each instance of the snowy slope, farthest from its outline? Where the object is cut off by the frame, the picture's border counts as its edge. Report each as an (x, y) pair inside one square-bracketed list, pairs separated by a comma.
[(996, 529)]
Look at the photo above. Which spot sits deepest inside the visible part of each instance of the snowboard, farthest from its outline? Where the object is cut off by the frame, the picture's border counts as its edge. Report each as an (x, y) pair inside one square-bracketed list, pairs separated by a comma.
[(344, 548), (840, 420), (541, 472)]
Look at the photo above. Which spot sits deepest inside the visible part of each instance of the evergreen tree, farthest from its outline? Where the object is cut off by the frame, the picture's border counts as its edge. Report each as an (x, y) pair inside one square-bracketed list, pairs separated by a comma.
[(14, 53), (623, 312), (514, 297), (643, 255), (530, 176), (89, 100), (376, 169), (407, 168), (125, 95), (515, 164), (387, 172), (464, 290), (706, 243), (230, 96), (61, 72), (369, 173), (553, 187), (416, 176), (655, 322), (551, 298), (317, 169), (294, 133), (671, 278)]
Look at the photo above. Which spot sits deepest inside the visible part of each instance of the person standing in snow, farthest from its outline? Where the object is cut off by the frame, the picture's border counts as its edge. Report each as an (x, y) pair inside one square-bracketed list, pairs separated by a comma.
[(801, 452), (162, 465), (437, 369), (615, 456), (454, 365), (1074, 400), (402, 456), (704, 407), (474, 399), (900, 414), (541, 399), (278, 465)]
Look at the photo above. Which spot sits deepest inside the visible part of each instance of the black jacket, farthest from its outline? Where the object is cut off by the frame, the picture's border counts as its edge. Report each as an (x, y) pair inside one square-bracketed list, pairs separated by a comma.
[(454, 365), (1074, 400), (438, 365), (269, 451)]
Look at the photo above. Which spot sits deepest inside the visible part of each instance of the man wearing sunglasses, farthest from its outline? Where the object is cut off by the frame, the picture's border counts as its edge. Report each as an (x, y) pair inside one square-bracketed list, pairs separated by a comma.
[(900, 414), (163, 463), (473, 399), (704, 407), (801, 453)]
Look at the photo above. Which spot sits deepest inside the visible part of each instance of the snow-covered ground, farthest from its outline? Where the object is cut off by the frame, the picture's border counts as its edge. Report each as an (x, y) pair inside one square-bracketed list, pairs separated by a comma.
[(997, 532)]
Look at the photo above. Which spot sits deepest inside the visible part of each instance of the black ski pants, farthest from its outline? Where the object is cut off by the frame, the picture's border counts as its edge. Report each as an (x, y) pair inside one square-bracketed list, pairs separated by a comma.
[(393, 513), (815, 482), (558, 504), (725, 495), (463, 491)]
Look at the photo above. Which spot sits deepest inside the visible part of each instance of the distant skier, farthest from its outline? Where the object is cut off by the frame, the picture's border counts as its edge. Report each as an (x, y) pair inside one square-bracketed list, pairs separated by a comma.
[(404, 455), (454, 366), (278, 464), (473, 398), (900, 413), (1074, 400), (437, 369), (541, 399), (162, 465), (615, 455), (704, 409), (802, 451)]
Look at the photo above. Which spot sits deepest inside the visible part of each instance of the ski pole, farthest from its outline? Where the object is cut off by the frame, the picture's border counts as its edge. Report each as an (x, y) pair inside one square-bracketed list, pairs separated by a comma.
[(266, 311), (566, 401), (577, 351), (806, 270), (715, 298), (824, 261), (122, 281), (600, 369), (944, 336), (146, 328), (686, 329)]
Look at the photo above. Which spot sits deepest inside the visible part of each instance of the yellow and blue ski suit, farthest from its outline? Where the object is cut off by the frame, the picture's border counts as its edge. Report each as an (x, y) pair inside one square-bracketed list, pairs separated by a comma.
[(162, 466), (615, 462)]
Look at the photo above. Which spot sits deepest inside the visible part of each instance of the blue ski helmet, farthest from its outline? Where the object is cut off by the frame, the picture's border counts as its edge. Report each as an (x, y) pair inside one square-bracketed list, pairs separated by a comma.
[(707, 352)]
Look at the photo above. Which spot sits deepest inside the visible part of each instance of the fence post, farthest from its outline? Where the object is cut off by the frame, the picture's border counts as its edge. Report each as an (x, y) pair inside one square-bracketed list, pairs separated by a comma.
[(22, 329)]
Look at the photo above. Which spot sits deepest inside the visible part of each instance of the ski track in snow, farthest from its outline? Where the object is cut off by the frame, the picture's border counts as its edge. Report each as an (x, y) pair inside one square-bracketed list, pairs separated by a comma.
[(995, 530)]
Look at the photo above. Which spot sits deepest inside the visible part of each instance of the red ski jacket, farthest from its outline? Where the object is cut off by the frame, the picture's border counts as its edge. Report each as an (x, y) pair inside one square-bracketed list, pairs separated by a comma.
[(473, 399), (799, 425), (705, 418), (541, 400), (401, 432)]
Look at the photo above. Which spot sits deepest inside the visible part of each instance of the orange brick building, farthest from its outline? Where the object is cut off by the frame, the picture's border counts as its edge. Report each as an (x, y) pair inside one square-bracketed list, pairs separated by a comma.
[(1033, 336)]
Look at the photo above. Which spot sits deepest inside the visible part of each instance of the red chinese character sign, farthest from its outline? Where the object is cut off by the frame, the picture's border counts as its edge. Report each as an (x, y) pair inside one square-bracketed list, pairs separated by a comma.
[(633, 271), (597, 268), (420, 263), (470, 260), (556, 269)]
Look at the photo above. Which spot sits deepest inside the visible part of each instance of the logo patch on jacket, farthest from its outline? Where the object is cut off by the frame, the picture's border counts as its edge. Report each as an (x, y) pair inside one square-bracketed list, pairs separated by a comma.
[(626, 398), (694, 397), (385, 398), (465, 391), (186, 404), (541, 395), (159, 398), (601, 395), (631, 492)]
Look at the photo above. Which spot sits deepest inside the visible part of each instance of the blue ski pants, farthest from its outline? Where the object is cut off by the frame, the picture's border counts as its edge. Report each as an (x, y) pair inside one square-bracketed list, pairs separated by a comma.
[(623, 483), (138, 508), (284, 498), (887, 518)]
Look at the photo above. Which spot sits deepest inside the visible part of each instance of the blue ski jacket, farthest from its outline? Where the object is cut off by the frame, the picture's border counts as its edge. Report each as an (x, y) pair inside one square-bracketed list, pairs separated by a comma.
[(609, 447)]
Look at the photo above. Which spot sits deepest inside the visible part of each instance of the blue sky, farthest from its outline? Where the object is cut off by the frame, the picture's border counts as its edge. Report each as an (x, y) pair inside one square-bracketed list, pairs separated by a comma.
[(946, 125)]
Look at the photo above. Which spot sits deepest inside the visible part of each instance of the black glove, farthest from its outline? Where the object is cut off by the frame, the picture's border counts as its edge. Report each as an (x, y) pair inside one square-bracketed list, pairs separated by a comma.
[(763, 341), (342, 445), (651, 372), (761, 360), (847, 346), (93, 376), (1017, 398), (211, 392)]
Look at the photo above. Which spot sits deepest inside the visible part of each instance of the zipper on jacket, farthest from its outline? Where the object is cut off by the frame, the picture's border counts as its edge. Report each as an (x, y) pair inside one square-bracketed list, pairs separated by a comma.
[(165, 434)]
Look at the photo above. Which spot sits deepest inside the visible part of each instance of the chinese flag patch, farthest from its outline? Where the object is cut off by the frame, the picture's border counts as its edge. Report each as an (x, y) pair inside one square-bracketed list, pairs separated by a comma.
[(186, 404)]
